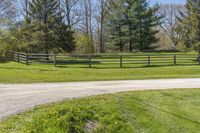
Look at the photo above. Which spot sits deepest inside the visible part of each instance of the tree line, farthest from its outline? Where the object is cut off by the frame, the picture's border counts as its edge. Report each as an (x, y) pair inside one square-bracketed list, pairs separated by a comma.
[(89, 26)]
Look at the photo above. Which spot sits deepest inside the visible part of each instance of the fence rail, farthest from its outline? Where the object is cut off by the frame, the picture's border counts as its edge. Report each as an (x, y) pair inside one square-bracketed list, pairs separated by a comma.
[(115, 60)]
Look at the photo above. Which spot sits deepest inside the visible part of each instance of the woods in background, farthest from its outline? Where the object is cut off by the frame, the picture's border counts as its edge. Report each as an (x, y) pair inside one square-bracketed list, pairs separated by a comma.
[(90, 26)]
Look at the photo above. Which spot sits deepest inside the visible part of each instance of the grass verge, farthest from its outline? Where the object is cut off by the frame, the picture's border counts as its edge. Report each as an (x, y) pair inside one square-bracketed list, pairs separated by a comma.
[(12, 72), (166, 111)]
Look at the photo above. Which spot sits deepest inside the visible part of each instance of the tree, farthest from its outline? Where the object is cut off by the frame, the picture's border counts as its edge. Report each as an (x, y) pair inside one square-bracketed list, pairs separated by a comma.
[(66, 40), (131, 20), (171, 12), (86, 25), (116, 23), (72, 13), (8, 12), (134, 21), (190, 25), (23, 7), (147, 20), (45, 19), (103, 9)]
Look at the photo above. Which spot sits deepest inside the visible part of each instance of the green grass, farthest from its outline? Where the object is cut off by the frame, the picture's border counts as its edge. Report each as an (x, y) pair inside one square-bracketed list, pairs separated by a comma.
[(166, 111), (18, 73)]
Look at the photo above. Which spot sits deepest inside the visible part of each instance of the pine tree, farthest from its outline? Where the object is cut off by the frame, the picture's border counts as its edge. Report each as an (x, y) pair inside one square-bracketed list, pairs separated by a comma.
[(190, 25), (47, 27), (66, 40), (183, 29), (134, 22), (147, 20), (130, 21), (45, 20), (117, 24)]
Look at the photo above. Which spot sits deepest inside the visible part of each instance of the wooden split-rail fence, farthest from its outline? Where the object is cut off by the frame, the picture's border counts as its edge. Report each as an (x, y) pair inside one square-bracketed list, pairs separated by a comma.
[(95, 60)]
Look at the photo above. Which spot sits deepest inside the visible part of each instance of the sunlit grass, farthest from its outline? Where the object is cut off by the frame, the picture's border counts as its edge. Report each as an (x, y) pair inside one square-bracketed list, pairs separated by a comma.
[(12, 72), (166, 111)]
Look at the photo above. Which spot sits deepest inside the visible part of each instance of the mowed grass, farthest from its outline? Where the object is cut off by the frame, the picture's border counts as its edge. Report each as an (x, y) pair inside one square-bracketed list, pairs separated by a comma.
[(12, 72), (166, 111)]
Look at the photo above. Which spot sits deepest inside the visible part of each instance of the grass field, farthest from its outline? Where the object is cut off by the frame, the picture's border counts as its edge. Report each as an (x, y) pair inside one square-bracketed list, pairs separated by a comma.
[(166, 111), (12, 72)]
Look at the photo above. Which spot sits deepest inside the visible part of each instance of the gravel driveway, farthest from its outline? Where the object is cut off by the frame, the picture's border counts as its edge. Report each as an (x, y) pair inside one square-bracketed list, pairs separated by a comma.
[(20, 97)]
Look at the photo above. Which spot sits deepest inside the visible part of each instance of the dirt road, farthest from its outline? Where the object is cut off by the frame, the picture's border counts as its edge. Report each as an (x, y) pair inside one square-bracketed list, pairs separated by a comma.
[(16, 98)]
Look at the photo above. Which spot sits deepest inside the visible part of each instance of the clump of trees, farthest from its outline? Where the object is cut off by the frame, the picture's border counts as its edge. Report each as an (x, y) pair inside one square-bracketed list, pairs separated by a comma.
[(134, 24), (42, 28), (88, 26)]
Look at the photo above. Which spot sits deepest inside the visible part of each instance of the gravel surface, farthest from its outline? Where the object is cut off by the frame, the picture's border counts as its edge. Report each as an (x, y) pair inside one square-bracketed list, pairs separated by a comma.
[(16, 98)]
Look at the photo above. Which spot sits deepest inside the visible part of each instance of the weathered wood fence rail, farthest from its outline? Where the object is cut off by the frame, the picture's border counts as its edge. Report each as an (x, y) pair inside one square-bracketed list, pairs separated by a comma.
[(94, 60)]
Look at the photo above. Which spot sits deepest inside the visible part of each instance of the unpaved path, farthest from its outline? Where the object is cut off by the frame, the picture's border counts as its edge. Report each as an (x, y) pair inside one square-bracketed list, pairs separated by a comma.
[(20, 97)]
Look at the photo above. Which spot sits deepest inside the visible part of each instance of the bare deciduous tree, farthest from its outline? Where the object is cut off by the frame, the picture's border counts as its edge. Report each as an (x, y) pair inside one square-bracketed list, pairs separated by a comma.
[(72, 12), (7, 12), (170, 13), (87, 25), (23, 7), (103, 12)]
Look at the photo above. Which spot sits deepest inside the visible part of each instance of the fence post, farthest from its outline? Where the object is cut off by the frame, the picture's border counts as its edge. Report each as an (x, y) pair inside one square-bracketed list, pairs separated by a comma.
[(175, 60), (149, 60), (18, 57), (55, 60), (12, 54), (121, 61), (27, 59), (90, 61), (6, 55)]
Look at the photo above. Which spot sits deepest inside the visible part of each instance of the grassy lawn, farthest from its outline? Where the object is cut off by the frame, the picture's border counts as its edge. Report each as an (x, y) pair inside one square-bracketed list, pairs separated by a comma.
[(18, 73), (166, 111)]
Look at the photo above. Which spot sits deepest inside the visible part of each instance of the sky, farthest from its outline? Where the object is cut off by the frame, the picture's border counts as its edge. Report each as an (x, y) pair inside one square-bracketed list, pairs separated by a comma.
[(167, 1)]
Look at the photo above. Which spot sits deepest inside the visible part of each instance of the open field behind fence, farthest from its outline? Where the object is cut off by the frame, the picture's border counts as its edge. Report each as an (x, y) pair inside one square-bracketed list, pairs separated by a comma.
[(103, 60)]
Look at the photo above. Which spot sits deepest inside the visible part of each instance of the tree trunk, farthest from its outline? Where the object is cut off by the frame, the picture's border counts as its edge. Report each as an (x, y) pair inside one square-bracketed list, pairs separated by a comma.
[(68, 14), (130, 37), (101, 35), (120, 41), (141, 42), (90, 25)]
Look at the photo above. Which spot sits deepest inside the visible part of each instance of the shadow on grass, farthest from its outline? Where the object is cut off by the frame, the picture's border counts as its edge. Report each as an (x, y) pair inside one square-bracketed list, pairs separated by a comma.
[(94, 65), (67, 66), (4, 61), (17, 68), (118, 67)]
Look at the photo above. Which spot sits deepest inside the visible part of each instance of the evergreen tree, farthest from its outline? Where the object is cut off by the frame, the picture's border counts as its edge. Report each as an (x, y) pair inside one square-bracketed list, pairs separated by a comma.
[(147, 20), (117, 23), (49, 32), (66, 40), (130, 21), (45, 20), (190, 25), (134, 22), (183, 28)]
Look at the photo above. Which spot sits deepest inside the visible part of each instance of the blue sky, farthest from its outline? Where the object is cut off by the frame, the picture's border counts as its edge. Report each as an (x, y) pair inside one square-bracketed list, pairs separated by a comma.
[(167, 1)]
